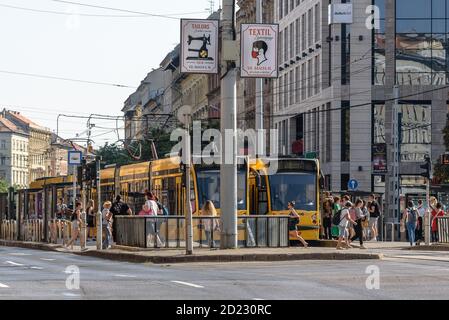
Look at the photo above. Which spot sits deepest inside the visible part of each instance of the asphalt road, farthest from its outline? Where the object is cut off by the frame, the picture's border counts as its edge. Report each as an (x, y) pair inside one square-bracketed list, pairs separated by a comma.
[(32, 274)]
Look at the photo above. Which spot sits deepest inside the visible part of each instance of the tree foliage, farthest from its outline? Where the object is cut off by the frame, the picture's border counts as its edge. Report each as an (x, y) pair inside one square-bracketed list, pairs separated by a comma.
[(4, 186), (137, 151)]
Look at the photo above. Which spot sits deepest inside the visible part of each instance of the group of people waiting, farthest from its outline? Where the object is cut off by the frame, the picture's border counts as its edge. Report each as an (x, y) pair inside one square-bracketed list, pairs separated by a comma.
[(354, 221), (412, 221), (82, 219)]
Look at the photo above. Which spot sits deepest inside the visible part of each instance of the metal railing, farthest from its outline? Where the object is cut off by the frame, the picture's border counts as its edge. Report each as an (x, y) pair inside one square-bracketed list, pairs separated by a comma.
[(443, 229), (169, 231), (32, 230), (59, 231), (8, 229)]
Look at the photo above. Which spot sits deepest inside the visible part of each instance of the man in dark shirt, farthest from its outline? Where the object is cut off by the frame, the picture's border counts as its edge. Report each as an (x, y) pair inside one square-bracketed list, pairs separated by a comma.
[(119, 208), (374, 214)]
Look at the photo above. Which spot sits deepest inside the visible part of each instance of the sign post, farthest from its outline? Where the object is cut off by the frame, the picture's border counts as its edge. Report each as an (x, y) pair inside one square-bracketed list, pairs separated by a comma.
[(199, 46), (74, 160), (259, 50), (353, 185)]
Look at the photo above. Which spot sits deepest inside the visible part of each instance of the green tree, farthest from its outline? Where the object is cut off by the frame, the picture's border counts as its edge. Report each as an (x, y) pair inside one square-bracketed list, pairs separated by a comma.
[(4, 186)]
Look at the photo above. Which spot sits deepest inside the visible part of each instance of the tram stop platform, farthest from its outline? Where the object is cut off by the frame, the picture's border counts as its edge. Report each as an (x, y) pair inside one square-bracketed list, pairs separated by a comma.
[(374, 251)]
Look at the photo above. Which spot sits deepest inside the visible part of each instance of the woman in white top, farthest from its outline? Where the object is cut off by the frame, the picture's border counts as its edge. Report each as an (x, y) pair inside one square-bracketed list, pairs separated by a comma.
[(153, 211), (345, 219), (210, 224)]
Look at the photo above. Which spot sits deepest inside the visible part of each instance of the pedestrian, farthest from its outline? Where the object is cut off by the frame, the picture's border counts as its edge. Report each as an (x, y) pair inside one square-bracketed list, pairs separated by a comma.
[(365, 220), (90, 213), (119, 208), (293, 224), (153, 210), (359, 216), (374, 211), (210, 224), (343, 233), (419, 226), (351, 229), (61, 209), (327, 218), (336, 207), (76, 225), (410, 219), (106, 217), (437, 212)]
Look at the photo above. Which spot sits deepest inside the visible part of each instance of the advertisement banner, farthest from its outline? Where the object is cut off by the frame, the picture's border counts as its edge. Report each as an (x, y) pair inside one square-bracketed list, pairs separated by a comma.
[(199, 46), (380, 158), (340, 13), (259, 50)]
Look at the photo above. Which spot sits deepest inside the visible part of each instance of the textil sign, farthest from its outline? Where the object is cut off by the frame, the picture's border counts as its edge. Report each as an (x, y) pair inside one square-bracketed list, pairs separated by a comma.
[(340, 13), (259, 50)]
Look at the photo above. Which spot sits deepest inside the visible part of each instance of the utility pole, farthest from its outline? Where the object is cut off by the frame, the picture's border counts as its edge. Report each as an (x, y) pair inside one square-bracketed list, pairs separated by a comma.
[(187, 158), (99, 217), (260, 145), (395, 137), (228, 170)]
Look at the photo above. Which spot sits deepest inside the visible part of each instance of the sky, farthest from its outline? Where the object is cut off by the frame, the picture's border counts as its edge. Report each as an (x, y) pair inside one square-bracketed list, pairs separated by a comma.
[(117, 50)]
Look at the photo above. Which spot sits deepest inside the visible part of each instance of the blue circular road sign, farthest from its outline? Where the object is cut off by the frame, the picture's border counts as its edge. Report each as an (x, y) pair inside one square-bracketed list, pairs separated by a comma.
[(353, 185)]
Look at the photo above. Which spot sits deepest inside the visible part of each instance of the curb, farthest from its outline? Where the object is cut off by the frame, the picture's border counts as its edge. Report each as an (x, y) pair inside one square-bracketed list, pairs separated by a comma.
[(30, 245), (129, 257), (429, 248), (250, 257)]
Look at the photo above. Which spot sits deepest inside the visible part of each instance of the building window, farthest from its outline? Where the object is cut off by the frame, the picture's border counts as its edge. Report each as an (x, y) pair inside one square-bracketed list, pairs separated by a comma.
[(310, 78), (310, 28), (344, 181), (303, 32), (317, 74), (421, 42), (3, 145), (317, 22), (345, 131), (292, 88), (297, 85), (281, 4), (345, 54), (297, 38), (416, 133)]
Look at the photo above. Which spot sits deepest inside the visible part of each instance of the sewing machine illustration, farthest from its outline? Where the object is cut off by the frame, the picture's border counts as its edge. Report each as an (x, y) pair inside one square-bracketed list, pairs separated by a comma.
[(203, 52)]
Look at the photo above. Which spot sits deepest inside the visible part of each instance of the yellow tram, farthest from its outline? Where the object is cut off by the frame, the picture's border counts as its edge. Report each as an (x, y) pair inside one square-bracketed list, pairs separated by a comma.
[(265, 186)]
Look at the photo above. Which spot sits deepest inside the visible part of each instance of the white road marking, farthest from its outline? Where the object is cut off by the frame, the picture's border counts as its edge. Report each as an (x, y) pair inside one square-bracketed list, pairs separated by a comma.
[(68, 294), (45, 259), (257, 299), (124, 276), (3, 285), (15, 264), (188, 284), (20, 254)]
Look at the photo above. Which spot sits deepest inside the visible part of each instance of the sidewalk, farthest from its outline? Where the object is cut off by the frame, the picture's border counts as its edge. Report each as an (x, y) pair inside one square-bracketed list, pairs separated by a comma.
[(163, 256)]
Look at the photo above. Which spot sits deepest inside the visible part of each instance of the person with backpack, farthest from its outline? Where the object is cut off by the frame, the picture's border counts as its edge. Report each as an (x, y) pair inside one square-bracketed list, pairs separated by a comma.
[(119, 208), (342, 219), (359, 216), (410, 218)]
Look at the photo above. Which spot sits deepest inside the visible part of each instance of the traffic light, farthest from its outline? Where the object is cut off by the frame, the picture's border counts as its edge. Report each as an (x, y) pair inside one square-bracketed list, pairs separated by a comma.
[(445, 159), (427, 166)]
